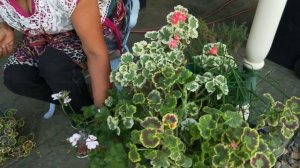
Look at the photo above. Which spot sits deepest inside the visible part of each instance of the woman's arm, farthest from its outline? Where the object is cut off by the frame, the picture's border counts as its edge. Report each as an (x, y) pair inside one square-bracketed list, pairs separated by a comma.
[(86, 21), (6, 39)]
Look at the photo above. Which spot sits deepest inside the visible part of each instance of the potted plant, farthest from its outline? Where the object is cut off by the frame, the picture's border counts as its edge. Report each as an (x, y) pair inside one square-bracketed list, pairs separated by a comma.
[(164, 113)]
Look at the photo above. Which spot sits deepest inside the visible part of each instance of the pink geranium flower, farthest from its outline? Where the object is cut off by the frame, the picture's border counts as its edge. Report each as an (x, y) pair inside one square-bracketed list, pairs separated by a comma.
[(173, 43), (182, 17), (177, 17), (234, 145), (177, 37), (213, 51)]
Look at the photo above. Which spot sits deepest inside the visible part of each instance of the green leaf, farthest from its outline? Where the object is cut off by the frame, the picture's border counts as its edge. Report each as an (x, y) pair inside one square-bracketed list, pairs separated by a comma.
[(234, 134), (227, 107), (250, 138), (128, 122), (129, 110), (170, 141), (116, 156), (149, 138), (293, 104), (192, 86), (150, 154), (135, 136), (260, 160), (221, 81), (183, 74), (165, 35), (236, 161), (102, 113), (210, 86), (152, 35), (162, 159), (133, 153), (89, 111), (10, 112), (193, 24), (138, 48), (140, 166), (211, 111), (109, 101), (150, 65), (151, 122), (192, 109), (202, 79), (278, 106), (195, 132), (206, 125), (170, 102), (243, 154), (221, 155), (176, 93), (127, 58), (146, 73), (139, 81), (176, 57), (159, 80), (200, 164), (154, 97), (269, 97), (185, 161), (233, 119), (138, 98), (168, 71), (287, 133), (176, 155), (206, 147), (112, 122), (168, 105)]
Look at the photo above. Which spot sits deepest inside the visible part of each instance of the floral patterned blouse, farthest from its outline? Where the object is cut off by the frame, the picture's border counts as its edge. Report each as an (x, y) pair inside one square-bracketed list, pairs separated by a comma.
[(48, 16)]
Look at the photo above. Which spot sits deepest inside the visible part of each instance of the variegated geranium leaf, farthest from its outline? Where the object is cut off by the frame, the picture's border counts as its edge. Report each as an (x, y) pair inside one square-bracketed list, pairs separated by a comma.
[(139, 48), (128, 122), (138, 98), (133, 153), (151, 122), (149, 138), (152, 35), (250, 138)]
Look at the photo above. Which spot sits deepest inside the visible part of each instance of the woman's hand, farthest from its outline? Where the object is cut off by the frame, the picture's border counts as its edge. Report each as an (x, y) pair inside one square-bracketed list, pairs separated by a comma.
[(6, 39), (86, 21)]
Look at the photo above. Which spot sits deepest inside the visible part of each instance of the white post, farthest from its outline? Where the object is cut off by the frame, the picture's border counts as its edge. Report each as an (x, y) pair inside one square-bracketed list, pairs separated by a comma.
[(263, 30)]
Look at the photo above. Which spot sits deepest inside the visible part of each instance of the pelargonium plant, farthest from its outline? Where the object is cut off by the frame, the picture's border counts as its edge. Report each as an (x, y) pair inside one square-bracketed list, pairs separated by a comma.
[(12, 143), (164, 114), (84, 143)]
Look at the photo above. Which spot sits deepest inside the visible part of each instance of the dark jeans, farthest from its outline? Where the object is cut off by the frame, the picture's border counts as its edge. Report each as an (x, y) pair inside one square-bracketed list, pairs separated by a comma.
[(56, 72)]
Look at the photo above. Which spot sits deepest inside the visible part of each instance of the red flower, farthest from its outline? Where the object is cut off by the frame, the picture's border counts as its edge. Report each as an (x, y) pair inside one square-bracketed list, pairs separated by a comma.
[(178, 16), (213, 51), (173, 43), (234, 145), (177, 37)]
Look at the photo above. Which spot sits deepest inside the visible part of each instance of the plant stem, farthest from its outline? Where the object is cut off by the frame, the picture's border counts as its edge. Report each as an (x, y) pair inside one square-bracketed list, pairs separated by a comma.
[(138, 119)]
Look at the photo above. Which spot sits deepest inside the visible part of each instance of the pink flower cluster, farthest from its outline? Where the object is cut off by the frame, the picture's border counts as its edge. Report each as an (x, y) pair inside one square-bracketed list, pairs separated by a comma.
[(177, 17), (174, 41), (214, 51)]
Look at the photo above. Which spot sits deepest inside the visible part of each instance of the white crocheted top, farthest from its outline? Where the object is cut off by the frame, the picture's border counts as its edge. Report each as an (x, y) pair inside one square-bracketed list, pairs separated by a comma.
[(48, 16)]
